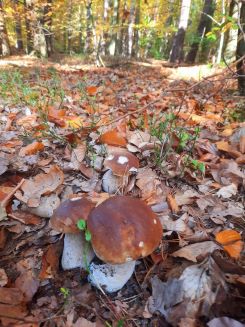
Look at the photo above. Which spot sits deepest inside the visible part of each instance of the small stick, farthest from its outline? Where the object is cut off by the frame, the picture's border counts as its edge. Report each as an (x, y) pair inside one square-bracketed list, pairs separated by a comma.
[(6, 200)]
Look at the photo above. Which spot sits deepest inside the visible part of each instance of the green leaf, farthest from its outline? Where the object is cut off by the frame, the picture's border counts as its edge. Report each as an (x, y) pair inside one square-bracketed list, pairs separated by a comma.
[(201, 167), (81, 224), (88, 235)]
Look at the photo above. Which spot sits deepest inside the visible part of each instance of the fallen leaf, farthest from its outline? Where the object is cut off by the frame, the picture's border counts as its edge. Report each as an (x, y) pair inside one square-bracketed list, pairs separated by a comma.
[(3, 278), (193, 251), (224, 322), (227, 191), (231, 241), (242, 144), (27, 284), (25, 217), (190, 296), (91, 90), (11, 296), (41, 184), (172, 203), (31, 149), (113, 137)]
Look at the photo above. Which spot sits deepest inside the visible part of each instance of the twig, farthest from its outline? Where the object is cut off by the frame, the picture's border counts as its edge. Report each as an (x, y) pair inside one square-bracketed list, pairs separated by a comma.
[(6, 200)]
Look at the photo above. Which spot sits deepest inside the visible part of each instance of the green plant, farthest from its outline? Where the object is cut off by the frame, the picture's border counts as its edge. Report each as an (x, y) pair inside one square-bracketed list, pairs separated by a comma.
[(65, 292), (82, 225)]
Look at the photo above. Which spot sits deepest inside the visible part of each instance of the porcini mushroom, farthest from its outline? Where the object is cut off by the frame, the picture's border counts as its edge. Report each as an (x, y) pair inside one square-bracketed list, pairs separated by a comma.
[(120, 164), (77, 252), (123, 229)]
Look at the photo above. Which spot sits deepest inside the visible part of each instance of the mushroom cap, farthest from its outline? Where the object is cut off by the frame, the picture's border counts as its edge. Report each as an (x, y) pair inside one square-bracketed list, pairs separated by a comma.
[(121, 162), (123, 229), (66, 216)]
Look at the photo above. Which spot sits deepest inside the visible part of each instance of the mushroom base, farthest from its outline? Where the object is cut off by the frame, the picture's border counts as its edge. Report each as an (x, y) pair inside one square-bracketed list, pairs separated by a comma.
[(77, 252), (111, 277)]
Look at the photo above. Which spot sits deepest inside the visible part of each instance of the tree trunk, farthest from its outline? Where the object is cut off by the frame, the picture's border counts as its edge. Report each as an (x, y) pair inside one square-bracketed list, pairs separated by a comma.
[(241, 49), (19, 41), (230, 41), (29, 43), (131, 27), (69, 27), (4, 41), (122, 38), (104, 45), (204, 27), (47, 22), (222, 36), (113, 47), (135, 49), (177, 54), (88, 43)]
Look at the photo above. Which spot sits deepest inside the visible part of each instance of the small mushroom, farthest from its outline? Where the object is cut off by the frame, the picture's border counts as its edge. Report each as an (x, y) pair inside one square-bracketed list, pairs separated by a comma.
[(123, 229), (77, 251), (120, 164)]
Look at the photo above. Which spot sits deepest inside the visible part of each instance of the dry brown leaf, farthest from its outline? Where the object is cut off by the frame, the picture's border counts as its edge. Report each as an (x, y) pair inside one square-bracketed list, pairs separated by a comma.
[(3, 278), (193, 251), (227, 191), (113, 137), (11, 296), (172, 203), (27, 284), (30, 149), (41, 184), (231, 241), (242, 144), (25, 217)]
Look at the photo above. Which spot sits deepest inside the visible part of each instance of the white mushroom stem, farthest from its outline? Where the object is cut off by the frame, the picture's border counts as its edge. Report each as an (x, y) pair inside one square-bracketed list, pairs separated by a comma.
[(111, 277), (77, 252)]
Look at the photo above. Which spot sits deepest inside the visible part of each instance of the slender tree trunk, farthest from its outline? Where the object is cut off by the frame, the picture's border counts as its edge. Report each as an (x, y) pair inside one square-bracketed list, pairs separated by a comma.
[(176, 54), (29, 43), (241, 49), (222, 36), (104, 42), (135, 49), (19, 41), (204, 27), (88, 42), (47, 22), (122, 38), (230, 41), (4, 41), (115, 23), (69, 27), (131, 27)]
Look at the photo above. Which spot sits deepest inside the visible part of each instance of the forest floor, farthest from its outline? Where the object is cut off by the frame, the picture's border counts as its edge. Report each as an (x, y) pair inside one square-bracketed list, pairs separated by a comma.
[(58, 122)]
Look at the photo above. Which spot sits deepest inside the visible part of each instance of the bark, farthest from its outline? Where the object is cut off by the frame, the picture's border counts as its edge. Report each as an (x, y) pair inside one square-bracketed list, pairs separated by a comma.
[(115, 23), (29, 43), (104, 41), (47, 23), (4, 41), (19, 41), (203, 28), (122, 38), (88, 43), (230, 41), (131, 27), (177, 54), (222, 36), (135, 49), (69, 27), (241, 50)]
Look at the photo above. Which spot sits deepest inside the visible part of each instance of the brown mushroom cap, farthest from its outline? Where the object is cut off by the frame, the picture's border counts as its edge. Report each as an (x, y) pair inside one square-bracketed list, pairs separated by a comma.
[(121, 161), (65, 217), (123, 229)]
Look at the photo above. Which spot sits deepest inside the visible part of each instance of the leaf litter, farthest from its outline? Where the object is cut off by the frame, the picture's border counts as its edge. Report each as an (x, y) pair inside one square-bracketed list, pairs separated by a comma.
[(189, 168)]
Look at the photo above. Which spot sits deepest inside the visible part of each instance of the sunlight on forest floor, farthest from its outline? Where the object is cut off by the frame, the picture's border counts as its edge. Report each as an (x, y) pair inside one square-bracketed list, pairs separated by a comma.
[(70, 63)]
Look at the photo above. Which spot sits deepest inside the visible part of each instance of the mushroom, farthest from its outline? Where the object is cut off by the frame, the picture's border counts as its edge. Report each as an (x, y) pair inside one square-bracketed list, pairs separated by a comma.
[(123, 229), (120, 163), (77, 251)]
